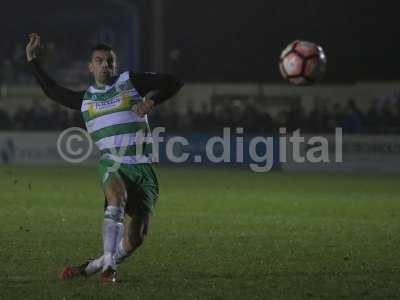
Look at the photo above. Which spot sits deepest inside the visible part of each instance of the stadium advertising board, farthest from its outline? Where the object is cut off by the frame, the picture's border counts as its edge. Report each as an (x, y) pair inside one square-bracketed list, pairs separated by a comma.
[(360, 154)]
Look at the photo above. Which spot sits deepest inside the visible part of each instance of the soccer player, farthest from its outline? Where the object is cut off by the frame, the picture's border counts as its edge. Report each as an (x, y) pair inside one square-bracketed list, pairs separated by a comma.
[(115, 112)]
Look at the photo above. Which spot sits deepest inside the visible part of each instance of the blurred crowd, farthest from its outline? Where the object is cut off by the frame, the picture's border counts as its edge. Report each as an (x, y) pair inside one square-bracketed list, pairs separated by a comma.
[(381, 117), (39, 117), (65, 60), (13, 67), (15, 70)]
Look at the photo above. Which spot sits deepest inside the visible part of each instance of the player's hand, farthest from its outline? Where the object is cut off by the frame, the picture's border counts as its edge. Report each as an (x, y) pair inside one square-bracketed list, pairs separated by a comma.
[(143, 108), (32, 47)]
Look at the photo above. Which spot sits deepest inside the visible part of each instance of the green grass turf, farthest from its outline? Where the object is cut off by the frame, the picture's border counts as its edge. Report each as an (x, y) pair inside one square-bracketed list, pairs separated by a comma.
[(220, 234)]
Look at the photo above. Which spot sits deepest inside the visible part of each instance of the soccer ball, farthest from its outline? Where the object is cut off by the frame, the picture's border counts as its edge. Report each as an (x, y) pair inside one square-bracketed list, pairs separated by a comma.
[(302, 63)]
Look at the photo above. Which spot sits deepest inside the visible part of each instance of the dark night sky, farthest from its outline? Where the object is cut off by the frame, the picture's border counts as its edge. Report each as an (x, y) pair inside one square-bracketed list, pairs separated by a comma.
[(241, 41), (237, 41)]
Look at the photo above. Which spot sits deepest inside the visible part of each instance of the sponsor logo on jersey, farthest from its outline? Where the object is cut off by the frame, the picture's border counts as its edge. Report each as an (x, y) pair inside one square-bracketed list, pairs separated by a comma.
[(103, 107)]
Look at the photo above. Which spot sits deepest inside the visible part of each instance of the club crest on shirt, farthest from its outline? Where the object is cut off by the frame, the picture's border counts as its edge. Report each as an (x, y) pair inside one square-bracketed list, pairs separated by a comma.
[(123, 86)]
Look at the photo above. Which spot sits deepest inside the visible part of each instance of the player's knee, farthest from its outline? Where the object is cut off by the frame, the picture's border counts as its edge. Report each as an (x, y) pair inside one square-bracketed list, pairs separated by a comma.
[(117, 197)]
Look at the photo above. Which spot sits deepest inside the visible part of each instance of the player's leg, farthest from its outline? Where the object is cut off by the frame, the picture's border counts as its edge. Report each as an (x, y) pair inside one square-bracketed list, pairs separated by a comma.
[(140, 204), (135, 233), (136, 226), (116, 195), (92, 266), (130, 239)]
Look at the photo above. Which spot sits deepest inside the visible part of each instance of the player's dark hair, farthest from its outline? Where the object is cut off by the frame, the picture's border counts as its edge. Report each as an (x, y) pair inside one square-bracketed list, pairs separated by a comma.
[(101, 46)]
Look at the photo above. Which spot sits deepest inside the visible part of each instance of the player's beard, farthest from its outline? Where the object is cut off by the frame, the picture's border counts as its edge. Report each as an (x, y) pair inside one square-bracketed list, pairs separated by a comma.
[(104, 78)]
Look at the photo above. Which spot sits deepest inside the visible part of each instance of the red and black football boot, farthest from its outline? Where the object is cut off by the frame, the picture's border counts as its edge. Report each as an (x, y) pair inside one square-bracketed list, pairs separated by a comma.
[(70, 272), (108, 276)]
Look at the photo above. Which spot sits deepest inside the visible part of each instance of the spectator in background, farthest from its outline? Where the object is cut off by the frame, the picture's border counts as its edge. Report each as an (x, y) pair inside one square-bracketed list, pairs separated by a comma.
[(21, 121), (18, 63), (7, 73), (173, 118), (315, 118), (327, 117), (204, 120), (389, 114), (266, 123), (39, 116), (59, 117), (353, 122), (397, 112), (281, 120), (19, 54), (296, 117), (245, 115), (187, 123), (5, 120), (373, 119), (338, 115)]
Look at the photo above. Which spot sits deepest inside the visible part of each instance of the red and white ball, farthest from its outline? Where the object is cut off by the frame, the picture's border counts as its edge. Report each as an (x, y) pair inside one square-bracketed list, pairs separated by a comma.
[(303, 63)]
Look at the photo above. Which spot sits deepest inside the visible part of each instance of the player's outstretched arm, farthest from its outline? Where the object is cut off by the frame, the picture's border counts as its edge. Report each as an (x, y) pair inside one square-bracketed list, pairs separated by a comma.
[(155, 88), (162, 86), (64, 96)]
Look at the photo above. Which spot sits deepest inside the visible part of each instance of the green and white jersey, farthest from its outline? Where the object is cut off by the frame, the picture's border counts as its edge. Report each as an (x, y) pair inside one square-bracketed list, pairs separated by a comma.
[(119, 133)]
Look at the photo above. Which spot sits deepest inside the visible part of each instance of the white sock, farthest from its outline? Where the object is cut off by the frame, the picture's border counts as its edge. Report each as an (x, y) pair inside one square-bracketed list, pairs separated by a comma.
[(97, 264), (112, 228), (94, 266), (121, 254), (109, 261)]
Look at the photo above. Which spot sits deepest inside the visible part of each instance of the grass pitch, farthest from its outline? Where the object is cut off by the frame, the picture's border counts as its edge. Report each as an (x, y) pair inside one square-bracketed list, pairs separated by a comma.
[(220, 234)]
